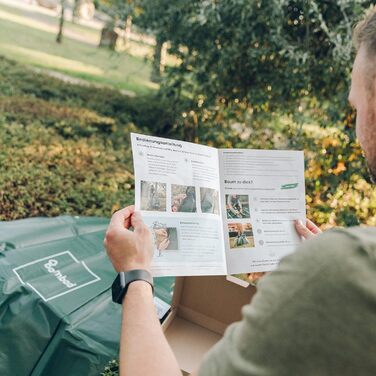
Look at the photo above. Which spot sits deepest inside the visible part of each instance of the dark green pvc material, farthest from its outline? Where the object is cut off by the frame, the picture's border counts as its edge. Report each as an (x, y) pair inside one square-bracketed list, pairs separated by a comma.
[(56, 313)]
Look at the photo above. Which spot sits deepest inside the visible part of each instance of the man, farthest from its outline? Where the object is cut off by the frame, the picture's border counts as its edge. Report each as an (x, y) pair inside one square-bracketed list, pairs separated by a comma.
[(314, 315), (234, 207)]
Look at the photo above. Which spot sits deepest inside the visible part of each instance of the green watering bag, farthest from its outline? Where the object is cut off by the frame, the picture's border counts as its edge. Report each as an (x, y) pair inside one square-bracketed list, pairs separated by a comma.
[(56, 313)]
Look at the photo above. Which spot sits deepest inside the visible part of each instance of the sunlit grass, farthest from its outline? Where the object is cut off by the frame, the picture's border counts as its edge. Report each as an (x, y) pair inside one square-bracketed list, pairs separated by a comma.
[(51, 61), (46, 22), (25, 21), (37, 47)]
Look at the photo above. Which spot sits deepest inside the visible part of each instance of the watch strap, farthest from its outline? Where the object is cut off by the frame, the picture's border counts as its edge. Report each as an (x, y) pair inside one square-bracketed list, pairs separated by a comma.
[(124, 279)]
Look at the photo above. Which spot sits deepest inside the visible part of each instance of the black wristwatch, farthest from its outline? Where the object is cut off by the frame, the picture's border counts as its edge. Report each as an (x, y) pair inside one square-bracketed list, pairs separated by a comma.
[(124, 279)]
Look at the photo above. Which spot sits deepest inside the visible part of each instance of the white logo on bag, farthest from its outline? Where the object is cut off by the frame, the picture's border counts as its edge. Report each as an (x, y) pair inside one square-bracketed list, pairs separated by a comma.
[(33, 273), (57, 273)]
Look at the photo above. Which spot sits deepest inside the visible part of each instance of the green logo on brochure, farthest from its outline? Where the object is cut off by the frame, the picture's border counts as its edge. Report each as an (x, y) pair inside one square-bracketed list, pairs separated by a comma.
[(289, 186)]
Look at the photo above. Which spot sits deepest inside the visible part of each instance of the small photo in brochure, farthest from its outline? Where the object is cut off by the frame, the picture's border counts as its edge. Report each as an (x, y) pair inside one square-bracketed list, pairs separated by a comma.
[(241, 235), (209, 200), (237, 206), (183, 198), (166, 238), (153, 196)]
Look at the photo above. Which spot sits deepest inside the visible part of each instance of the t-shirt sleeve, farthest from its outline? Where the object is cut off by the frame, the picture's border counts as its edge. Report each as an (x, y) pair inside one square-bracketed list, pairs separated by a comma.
[(292, 319)]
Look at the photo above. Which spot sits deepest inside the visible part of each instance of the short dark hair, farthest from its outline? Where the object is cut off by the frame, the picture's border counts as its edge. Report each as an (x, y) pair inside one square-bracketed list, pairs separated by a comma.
[(365, 32), (364, 36)]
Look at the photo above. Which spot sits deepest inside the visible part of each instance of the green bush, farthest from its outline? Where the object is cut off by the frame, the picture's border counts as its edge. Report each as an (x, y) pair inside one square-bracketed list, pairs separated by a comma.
[(62, 152), (65, 148), (43, 174), (68, 121), (149, 112), (338, 189), (112, 369)]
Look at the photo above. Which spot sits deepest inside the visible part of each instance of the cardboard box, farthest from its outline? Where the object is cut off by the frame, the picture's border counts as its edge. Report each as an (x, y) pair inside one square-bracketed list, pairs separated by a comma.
[(201, 310)]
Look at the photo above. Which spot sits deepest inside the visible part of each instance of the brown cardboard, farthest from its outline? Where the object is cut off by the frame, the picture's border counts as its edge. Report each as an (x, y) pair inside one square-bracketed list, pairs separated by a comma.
[(202, 308)]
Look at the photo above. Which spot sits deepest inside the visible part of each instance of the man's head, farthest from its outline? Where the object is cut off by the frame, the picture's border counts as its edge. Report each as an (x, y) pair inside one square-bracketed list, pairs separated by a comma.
[(363, 87)]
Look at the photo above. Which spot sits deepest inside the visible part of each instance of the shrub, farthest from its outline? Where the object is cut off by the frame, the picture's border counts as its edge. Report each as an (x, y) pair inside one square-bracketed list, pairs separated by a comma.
[(68, 121), (112, 369), (338, 189), (149, 112), (66, 147), (43, 174)]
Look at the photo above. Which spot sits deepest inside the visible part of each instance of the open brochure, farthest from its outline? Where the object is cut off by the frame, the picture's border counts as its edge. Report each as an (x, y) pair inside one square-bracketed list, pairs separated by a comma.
[(217, 211)]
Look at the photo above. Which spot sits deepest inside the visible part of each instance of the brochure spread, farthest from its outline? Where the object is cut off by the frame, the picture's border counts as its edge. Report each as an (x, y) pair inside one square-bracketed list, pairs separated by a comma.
[(217, 211)]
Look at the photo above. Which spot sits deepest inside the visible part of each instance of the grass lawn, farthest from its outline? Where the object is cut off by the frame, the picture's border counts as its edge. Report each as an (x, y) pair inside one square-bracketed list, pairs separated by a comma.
[(30, 39)]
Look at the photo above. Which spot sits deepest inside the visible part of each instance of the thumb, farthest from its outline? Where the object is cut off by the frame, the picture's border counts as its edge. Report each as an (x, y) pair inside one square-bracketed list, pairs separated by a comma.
[(137, 222), (303, 230)]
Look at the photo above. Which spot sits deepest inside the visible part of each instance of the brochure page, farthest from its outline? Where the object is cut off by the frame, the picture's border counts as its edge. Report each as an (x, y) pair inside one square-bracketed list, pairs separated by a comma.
[(264, 193), (177, 190)]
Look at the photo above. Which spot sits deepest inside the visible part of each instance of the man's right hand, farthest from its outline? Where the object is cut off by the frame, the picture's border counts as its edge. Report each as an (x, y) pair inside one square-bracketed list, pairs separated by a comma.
[(127, 249), (307, 231)]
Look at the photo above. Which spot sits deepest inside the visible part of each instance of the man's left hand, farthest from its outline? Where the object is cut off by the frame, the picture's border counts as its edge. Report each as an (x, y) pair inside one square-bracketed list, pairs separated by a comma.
[(307, 231)]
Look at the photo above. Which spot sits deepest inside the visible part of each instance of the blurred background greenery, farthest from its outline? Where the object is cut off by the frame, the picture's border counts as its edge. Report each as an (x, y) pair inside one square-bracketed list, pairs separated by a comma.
[(77, 76)]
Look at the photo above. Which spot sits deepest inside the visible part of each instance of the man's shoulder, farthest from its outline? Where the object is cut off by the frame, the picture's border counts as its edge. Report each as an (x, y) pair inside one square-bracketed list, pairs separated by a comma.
[(358, 233), (318, 272), (336, 255), (343, 242)]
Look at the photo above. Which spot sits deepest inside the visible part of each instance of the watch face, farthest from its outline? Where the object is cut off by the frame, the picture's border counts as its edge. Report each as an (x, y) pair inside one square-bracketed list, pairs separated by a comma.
[(118, 287)]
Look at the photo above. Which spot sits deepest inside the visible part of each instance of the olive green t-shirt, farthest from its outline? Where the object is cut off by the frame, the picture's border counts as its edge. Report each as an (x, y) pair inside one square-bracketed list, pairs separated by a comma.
[(314, 315)]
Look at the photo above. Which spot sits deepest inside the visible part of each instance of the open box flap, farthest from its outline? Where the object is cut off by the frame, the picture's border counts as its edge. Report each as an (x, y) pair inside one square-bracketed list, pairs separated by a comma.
[(202, 308), (190, 342), (206, 300)]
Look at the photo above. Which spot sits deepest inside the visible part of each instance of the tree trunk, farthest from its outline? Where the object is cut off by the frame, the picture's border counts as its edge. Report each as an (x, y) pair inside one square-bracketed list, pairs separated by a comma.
[(109, 37), (127, 31), (76, 10), (190, 128), (157, 66), (59, 37)]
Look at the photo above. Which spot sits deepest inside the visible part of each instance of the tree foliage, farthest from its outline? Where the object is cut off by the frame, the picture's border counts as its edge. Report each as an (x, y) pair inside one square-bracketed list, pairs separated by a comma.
[(275, 54), (119, 10), (269, 74)]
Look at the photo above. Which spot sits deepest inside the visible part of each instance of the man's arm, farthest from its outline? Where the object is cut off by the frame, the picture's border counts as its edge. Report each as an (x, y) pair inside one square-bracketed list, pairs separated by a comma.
[(144, 349)]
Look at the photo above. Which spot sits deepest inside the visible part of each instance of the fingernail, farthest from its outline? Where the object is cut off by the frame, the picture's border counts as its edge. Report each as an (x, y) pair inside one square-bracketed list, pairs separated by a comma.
[(299, 222)]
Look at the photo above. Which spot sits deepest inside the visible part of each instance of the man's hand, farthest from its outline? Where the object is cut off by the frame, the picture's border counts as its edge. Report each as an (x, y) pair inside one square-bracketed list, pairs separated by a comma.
[(128, 250), (307, 231)]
